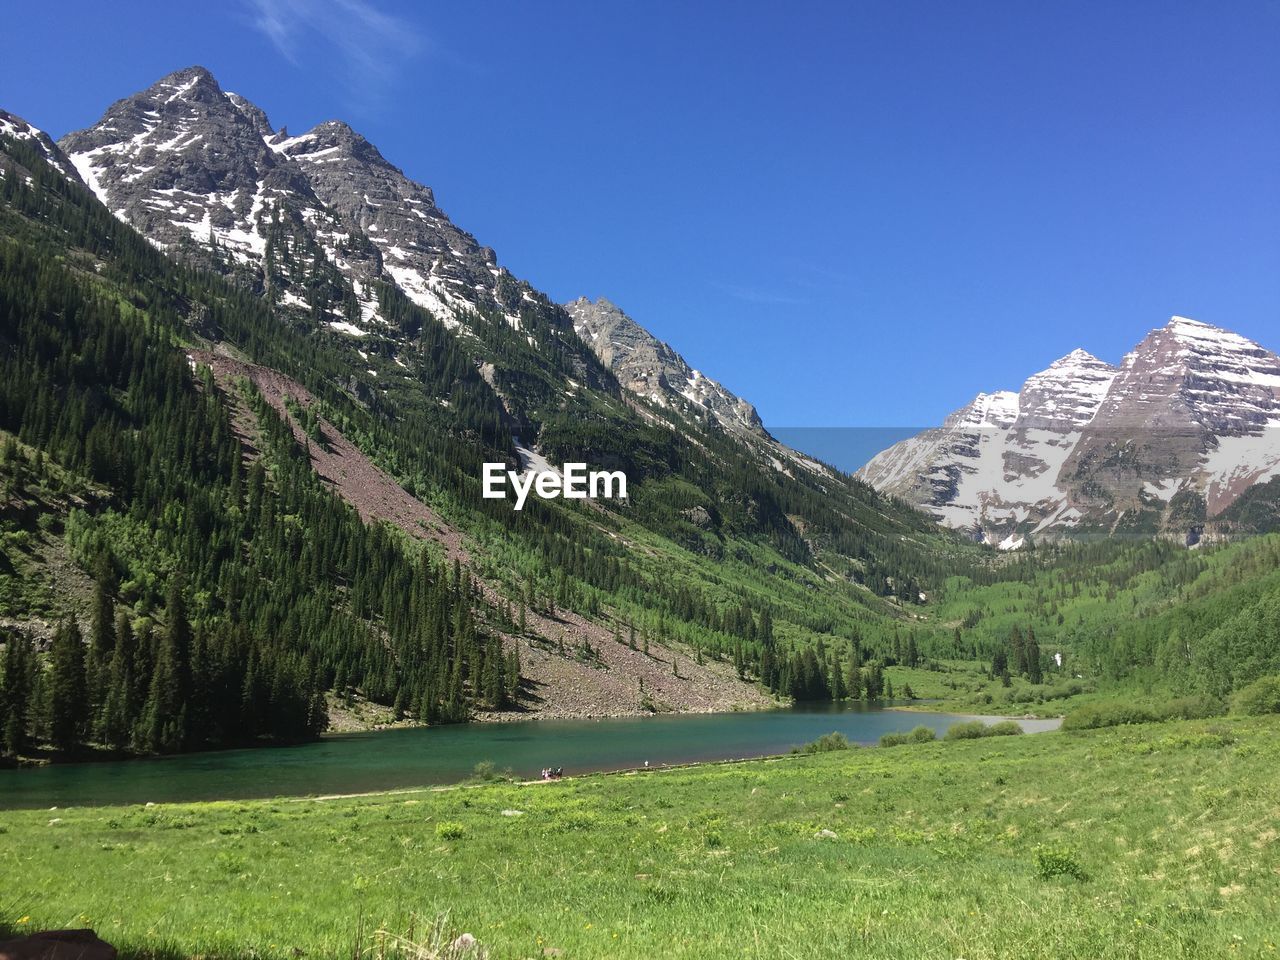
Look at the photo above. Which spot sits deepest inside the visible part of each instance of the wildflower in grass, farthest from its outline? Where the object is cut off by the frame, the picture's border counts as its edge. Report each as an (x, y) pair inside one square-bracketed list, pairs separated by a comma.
[(23, 920)]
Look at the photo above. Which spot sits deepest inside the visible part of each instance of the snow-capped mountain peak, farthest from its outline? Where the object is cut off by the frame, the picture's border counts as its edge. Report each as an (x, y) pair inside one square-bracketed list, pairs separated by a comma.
[(1193, 409), (14, 126), (190, 165)]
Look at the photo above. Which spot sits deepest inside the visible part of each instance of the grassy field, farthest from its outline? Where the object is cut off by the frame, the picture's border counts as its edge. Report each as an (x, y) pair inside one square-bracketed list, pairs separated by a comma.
[(1157, 841)]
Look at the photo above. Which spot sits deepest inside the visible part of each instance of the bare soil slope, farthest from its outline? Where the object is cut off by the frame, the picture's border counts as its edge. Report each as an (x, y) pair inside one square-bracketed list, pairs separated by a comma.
[(561, 678)]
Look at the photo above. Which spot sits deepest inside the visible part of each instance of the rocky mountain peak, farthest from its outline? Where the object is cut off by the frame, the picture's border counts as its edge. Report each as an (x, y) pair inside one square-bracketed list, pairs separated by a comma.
[(12, 125), (324, 223), (1077, 359), (996, 410), (1193, 410), (1067, 394), (253, 113), (651, 369), (182, 160), (334, 142)]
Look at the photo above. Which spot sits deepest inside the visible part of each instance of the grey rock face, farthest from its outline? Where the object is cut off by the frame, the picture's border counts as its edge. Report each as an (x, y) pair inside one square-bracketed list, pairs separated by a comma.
[(437, 265), (183, 160), (649, 368), (1194, 409)]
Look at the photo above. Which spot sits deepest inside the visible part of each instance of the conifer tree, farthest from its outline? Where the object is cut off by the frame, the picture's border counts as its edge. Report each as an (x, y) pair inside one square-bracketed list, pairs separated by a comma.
[(68, 687), (1034, 670), (17, 691), (513, 675)]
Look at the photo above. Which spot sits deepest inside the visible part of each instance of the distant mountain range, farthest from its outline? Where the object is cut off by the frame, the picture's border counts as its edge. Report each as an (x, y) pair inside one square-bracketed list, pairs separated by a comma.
[(1180, 440)]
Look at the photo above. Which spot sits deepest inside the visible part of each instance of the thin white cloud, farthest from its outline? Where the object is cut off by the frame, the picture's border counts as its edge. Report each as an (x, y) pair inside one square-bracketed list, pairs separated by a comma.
[(371, 44)]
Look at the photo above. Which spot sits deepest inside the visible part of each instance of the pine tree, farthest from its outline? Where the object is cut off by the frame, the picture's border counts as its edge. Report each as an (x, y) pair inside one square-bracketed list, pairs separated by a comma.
[(853, 678), (912, 653), (1034, 671), (873, 680), (838, 691), (1017, 652), (513, 676), (68, 687), (17, 692), (164, 722)]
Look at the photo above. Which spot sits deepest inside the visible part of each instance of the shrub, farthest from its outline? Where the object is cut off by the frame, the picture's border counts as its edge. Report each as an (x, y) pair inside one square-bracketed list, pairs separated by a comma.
[(825, 744), (920, 734), (1190, 708), (1058, 862), (969, 730), (1258, 698), (1114, 713), (1110, 714), (486, 771), (450, 830), (976, 729), (1005, 728)]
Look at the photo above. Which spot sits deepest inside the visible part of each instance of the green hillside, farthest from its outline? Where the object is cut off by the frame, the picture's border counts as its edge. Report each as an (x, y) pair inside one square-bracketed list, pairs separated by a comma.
[(179, 520)]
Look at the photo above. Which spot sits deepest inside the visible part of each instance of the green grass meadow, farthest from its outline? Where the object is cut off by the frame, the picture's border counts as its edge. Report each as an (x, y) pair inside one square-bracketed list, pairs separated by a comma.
[(1155, 841)]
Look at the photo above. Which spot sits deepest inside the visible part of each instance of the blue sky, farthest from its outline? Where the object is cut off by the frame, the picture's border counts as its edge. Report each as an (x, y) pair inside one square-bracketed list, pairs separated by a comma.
[(850, 213)]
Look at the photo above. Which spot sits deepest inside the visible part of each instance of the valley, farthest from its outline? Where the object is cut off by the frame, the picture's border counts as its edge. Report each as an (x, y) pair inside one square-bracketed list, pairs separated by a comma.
[(737, 573), (360, 597)]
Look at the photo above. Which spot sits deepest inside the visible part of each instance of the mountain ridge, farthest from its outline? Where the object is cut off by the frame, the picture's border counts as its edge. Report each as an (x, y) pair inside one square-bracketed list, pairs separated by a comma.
[(409, 357)]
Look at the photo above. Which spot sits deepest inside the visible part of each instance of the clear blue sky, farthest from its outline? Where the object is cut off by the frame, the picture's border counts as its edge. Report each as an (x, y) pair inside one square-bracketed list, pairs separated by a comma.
[(851, 213)]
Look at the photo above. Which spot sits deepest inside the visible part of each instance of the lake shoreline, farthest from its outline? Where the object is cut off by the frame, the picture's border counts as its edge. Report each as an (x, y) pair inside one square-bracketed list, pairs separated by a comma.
[(447, 755), (349, 727)]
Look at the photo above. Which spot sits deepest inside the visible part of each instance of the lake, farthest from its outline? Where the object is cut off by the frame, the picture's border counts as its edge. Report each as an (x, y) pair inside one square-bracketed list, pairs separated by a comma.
[(384, 760)]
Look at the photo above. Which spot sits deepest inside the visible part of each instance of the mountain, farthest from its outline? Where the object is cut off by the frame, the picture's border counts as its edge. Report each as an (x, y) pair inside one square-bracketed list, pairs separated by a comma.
[(200, 172), (17, 128), (248, 383), (324, 227), (1166, 444), (651, 369)]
